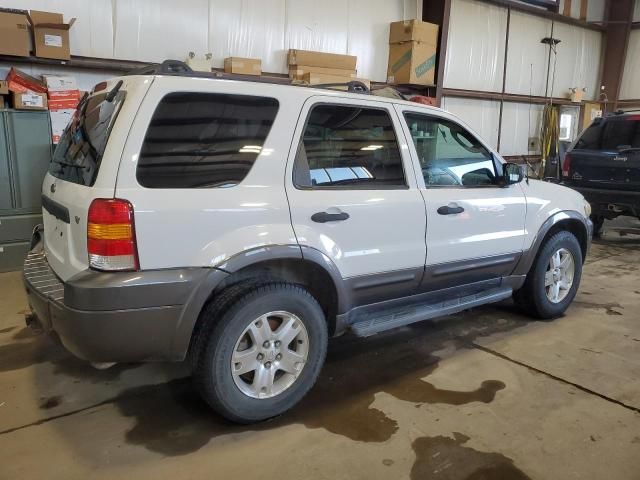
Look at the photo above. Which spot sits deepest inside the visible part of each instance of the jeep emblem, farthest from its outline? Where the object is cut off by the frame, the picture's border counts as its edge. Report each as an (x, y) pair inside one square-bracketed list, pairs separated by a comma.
[(620, 159)]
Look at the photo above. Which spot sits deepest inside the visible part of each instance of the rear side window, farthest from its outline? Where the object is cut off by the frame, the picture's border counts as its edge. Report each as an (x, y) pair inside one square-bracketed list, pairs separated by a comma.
[(348, 147), (204, 140), (81, 147)]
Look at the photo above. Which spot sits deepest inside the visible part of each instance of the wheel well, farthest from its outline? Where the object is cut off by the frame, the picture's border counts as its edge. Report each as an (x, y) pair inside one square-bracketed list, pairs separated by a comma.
[(302, 272), (576, 227)]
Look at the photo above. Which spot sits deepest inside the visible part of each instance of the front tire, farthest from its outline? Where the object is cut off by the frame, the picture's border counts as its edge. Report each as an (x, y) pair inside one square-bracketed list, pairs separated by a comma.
[(554, 278), (263, 354)]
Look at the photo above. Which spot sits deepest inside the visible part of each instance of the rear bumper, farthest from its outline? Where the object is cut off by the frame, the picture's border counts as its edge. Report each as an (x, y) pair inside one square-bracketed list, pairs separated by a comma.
[(119, 317), (601, 199)]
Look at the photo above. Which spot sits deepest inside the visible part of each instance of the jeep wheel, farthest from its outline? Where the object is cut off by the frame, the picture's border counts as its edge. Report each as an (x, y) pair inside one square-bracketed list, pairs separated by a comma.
[(598, 223), (263, 354), (554, 278)]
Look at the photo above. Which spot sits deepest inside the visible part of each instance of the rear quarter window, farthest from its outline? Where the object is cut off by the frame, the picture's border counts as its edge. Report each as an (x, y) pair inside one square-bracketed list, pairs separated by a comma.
[(204, 140)]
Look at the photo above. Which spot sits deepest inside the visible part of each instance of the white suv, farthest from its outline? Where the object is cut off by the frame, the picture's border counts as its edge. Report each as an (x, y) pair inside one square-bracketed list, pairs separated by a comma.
[(241, 224)]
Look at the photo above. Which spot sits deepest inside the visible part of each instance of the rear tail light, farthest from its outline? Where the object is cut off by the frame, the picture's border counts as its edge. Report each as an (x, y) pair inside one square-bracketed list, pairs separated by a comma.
[(111, 236), (566, 165)]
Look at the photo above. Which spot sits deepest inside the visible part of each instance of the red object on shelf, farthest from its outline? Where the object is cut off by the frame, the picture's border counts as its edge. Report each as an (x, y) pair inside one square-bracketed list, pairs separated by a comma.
[(21, 82), (431, 101)]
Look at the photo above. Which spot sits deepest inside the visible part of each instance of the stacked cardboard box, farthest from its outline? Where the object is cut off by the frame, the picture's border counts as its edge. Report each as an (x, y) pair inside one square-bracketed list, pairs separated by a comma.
[(244, 66), (27, 92), (14, 32), (412, 52), (4, 90), (320, 67), (64, 96), (50, 34)]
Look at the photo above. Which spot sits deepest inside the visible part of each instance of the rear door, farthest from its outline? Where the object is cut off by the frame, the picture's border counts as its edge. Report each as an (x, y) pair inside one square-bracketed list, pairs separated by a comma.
[(353, 193), (84, 167), (607, 155)]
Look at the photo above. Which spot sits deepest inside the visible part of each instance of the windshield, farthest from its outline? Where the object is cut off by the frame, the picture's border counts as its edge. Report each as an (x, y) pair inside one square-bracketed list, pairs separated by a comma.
[(79, 153)]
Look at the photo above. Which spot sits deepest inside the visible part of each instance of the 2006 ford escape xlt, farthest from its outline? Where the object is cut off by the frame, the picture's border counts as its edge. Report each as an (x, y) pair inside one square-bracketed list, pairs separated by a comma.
[(242, 224)]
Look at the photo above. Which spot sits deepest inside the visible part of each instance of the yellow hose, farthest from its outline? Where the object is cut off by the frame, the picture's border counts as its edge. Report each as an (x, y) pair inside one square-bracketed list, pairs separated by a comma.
[(549, 135)]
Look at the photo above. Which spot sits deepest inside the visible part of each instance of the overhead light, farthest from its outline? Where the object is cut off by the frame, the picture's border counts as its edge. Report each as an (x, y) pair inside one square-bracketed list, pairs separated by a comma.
[(372, 147), (250, 149)]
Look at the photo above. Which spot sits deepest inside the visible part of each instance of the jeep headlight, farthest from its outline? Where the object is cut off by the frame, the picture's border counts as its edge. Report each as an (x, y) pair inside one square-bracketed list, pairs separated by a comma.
[(587, 208)]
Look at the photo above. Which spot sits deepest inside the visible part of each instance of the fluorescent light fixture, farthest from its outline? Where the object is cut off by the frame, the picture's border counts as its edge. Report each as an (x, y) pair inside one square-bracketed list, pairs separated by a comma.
[(250, 149), (370, 148)]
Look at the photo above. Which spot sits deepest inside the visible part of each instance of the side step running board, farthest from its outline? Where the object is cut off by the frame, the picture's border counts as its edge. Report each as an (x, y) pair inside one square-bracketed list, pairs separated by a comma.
[(369, 322)]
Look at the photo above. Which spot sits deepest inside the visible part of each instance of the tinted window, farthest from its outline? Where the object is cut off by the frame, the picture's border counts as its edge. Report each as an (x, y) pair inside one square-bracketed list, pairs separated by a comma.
[(348, 146), (449, 155), (590, 138), (612, 134), (203, 140), (621, 133), (81, 147)]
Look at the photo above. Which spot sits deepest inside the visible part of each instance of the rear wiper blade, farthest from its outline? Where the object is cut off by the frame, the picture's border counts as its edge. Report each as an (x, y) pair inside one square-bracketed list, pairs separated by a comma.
[(630, 149)]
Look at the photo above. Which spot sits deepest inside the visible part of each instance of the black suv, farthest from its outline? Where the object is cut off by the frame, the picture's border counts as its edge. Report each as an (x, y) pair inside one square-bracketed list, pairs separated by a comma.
[(604, 165)]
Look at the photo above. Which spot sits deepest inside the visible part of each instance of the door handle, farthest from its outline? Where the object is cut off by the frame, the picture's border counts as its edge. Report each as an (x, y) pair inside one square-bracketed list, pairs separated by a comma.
[(324, 217), (451, 209)]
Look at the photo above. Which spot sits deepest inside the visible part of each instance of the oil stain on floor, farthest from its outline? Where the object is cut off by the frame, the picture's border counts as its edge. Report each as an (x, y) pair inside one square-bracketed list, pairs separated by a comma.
[(444, 458), (342, 401)]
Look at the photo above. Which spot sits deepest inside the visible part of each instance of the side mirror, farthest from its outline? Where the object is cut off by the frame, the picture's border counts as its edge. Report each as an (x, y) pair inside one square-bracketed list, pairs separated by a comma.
[(511, 173)]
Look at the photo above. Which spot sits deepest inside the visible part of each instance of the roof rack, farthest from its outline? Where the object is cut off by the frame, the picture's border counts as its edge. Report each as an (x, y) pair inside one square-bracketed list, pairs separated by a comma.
[(181, 69), (622, 112), (354, 86)]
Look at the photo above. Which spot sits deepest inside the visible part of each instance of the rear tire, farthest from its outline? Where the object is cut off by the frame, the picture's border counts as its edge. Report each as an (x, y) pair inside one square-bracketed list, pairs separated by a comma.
[(552, 282), (598, 223), (263, 354)]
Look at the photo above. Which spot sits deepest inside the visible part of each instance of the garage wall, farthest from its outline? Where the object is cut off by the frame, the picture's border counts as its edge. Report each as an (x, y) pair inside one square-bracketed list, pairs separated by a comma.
[(481, 115), (475, 61), (154, 30), (630, 88)]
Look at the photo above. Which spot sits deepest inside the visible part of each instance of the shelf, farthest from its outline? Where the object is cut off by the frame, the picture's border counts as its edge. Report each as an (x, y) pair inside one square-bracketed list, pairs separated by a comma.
[(88, 63), (507, 97)]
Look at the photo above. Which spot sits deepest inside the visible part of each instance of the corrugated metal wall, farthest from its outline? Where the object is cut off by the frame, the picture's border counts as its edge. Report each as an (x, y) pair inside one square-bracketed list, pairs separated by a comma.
[(475, 61), (154, 30)]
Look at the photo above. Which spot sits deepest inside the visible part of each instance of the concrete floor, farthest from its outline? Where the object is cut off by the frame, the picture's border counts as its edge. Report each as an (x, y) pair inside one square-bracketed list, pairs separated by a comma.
[(487, 394)]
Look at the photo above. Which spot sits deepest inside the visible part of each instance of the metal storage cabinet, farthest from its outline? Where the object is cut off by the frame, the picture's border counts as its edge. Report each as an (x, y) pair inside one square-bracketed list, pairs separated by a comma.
[(25, 153)]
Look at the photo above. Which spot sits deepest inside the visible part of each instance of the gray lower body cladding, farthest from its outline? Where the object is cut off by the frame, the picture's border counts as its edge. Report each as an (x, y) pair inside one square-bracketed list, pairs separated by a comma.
[(123, 317)]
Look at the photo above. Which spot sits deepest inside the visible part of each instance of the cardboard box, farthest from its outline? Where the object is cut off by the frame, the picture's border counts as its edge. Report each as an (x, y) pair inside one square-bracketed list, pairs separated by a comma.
[(19, 82), (15, 38), (413, 31), (244, 66), (2, 102), (412, 62), (59, 121), (57, 83), (4, 87), (64, 95), (322, 59), (322, 78), (29, 101), (63, 104), (297, 72), (51, 34)]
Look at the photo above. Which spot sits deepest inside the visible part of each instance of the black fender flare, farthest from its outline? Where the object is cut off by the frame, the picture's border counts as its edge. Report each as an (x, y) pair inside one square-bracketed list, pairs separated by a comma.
[(216, 276), (528, 257)]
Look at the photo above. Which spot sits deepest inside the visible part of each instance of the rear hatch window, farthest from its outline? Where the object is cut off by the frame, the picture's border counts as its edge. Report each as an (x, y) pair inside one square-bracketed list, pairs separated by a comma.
[(79, 153), (615, 134)]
